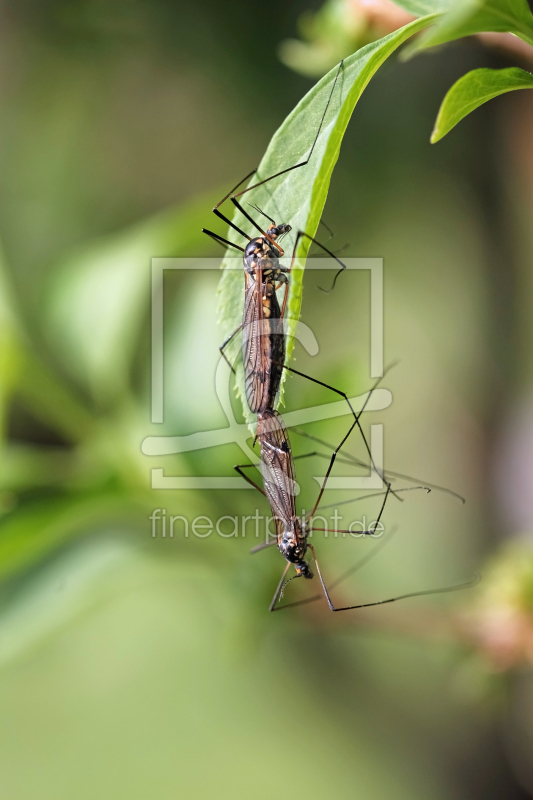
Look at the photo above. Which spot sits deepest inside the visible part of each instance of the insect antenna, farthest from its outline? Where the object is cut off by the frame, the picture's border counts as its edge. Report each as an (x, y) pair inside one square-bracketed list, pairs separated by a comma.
[(260, 211), (281, 591)]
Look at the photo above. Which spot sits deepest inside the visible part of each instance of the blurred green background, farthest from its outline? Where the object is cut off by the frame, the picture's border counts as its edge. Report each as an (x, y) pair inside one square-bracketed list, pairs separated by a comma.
[(135, 667)]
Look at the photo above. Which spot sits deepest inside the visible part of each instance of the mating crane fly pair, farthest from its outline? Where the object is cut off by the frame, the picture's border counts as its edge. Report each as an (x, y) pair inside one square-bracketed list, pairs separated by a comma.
[(263, 355)]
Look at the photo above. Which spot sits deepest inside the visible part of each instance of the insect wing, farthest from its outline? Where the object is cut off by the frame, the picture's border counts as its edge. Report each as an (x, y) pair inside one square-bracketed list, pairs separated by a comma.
[(277, 466), (251, 345), (263, 345)]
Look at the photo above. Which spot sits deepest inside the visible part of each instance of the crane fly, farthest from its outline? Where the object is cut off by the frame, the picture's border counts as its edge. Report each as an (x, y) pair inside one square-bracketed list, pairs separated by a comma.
[(263, 342), (292, 531), (263, 354)]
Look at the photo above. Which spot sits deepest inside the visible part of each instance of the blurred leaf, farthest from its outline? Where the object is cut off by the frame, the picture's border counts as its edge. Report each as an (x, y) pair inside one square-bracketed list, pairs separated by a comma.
[(328, 35), (157, 660), (468, 17), (422, 7), (22, 371), (51, 400), (299, 196), (64, 588), (100, 298), (31, 532), (500, 621), (474, 89), (23, 466), (10, 349)]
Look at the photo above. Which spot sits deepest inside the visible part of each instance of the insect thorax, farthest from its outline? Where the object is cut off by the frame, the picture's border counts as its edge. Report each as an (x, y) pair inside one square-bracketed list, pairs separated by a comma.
[(292, 543), (259, 255)]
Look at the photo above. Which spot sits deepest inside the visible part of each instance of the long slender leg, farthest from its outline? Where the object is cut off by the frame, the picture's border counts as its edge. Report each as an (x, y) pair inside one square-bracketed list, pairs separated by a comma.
[(299, 236), (222, 216), (301, 163), (344, 459), (364, 560), (232, 191), (225, 344), (331, 234), (254, 223), (221, 240), (248, 217), (276, 175), (339, 530), (230, 223), (278, 590), (266, 180), (441, 590), (348, 458), (376, 523), (374, 494), (239, 468), (359, 564), (263, 546), (355, 423)]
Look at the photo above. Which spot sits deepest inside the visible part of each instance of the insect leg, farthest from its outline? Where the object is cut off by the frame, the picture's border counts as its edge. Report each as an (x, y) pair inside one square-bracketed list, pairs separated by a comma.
[(354, 424), (225, 344), (239, 468), (278, 590), (441, 590), (359, 564), (374, 494), (254, 223), (221, 240), (263, 546), (232, 191), (301, 163), (266, 180), (348, 458), (361, 533), (299, 236)]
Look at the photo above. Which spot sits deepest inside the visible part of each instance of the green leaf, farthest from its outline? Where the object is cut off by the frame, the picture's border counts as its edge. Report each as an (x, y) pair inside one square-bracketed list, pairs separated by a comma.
[(62, 589), (23, 372), (474, 89), (51, 399), (299, 196), (420, 8), (468, 17), (99, 298), (30, 533), (10, 348)]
